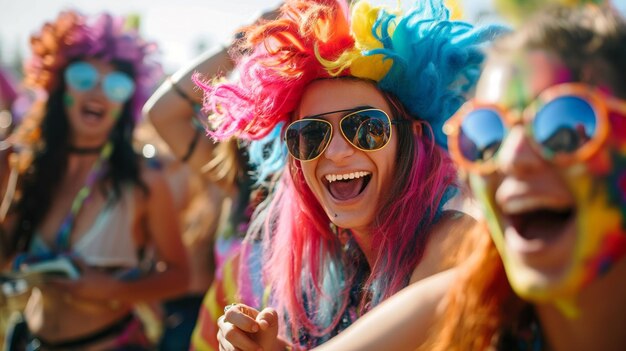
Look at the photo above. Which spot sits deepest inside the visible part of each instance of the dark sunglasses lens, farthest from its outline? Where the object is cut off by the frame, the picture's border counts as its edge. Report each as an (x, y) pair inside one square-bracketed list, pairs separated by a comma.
[(118, 87), (564, 124), (367, 130), (81, 76), (481, 134), (306, 139)]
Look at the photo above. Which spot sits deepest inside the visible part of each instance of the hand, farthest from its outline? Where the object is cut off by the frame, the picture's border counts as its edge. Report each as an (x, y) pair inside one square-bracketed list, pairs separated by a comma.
[(244, 328), (93, 285)]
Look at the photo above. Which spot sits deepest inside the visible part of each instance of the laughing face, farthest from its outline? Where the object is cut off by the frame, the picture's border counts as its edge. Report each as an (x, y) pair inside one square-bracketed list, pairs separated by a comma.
[(91, 113), (556, 228), (349, 183)]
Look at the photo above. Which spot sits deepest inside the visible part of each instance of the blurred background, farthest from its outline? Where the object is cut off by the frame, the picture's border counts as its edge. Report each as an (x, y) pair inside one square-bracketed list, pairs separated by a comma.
[(181, 28)]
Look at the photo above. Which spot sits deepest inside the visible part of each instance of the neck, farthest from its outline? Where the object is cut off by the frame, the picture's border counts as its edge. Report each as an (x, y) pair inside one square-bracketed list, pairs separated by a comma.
[(364, 240), (85, 150), (602, 319)]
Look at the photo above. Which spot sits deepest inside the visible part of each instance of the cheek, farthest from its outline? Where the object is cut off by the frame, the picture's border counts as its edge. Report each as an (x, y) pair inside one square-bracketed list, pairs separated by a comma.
[(308, 171), (385, 160)]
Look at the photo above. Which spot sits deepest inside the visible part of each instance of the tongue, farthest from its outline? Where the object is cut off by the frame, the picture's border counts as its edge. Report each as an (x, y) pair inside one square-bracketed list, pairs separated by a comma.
[(544, 225), (346, 189)]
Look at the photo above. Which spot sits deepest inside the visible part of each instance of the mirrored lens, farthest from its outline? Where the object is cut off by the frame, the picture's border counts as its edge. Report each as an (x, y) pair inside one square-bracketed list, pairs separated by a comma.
[(481, 134), (307, 139), (564, 124), (118, 86), (367, 129), (81, 76)]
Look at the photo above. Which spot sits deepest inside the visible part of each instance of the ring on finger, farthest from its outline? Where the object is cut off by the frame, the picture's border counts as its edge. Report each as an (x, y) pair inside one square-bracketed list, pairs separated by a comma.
[(228, 307)]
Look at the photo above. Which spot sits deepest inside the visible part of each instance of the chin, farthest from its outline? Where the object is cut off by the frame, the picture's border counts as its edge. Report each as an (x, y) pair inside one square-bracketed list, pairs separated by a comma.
[(347, 220), (537, 286)]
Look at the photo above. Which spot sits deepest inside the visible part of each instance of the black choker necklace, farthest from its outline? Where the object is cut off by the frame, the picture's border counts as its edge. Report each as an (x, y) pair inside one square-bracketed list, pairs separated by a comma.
[(84, 150)]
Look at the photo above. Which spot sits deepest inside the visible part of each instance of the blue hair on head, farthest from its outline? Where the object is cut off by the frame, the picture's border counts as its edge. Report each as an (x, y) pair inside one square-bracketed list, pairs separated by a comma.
[(436, 61), (268, 155)]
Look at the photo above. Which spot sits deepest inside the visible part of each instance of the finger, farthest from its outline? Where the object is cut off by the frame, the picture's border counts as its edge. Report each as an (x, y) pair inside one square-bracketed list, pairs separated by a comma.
[(242, 317), (268, 318), (223, 343), (238, 339)]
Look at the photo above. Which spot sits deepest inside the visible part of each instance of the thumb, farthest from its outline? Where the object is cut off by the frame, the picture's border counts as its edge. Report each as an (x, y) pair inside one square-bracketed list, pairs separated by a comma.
[(268, 319), (267, 337)]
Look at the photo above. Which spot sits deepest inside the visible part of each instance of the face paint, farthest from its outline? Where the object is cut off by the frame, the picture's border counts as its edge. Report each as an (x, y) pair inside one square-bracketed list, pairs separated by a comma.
[(544, 262), (68, 100)]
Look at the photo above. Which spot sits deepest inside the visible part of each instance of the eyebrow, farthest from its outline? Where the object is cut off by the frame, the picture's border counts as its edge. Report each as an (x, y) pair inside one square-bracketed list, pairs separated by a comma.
[(349, 110)]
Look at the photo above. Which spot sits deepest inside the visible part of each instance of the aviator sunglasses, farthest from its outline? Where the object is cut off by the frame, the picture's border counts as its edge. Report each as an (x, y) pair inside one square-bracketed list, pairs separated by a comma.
[(83, 76), (367, 129), (565, 124)]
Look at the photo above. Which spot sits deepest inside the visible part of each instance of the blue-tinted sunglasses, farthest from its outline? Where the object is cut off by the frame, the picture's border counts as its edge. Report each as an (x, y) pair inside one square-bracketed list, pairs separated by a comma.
[(83, 76)]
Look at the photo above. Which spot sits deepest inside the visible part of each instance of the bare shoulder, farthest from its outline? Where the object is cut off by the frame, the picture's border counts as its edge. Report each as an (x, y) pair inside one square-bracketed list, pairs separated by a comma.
[(444, 244), (453, 224), (154, 187)]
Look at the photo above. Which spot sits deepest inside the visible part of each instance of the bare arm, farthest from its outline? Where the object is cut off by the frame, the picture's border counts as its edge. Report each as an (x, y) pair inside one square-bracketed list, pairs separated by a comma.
[(400, 323), (170, 108), (171, 114), (172, 274)]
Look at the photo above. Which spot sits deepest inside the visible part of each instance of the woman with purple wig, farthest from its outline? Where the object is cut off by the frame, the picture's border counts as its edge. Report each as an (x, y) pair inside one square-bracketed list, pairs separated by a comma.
[(83, 198), (362, 95)]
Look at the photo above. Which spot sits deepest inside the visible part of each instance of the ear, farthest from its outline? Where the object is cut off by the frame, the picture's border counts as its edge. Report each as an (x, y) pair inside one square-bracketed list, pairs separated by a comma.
[(416, 126)]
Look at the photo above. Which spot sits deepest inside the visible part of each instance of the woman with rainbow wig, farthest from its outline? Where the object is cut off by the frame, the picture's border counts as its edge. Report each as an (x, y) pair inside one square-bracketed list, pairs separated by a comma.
[(79, 197), (361, 94)]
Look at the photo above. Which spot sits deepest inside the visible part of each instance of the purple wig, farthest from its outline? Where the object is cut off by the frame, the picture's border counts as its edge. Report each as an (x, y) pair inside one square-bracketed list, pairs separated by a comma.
[(73, 36)]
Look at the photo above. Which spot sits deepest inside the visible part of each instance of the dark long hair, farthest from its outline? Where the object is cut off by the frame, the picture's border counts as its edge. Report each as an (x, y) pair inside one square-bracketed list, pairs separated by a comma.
[(47, 170)]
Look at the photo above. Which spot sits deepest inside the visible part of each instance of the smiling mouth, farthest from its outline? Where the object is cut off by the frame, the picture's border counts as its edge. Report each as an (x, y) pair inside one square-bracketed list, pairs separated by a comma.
[(347, 186), (545, 224), (93, 112)]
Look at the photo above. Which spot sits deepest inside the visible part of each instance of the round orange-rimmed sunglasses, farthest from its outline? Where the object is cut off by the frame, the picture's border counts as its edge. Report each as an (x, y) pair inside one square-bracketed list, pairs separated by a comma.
[(367, 129), (565, 124)]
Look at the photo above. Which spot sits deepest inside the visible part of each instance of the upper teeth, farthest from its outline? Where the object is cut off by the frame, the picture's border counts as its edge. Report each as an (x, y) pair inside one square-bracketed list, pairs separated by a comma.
[(333, 177)]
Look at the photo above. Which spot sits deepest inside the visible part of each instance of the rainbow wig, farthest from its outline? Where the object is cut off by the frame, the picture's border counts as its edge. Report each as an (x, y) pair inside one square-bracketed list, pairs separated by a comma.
[(73, 36), (424, 63)]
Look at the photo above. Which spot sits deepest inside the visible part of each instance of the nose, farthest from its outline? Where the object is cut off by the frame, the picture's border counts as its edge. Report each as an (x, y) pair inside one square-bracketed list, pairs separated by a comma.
[(339, 148), (516, 156), (99, 85)]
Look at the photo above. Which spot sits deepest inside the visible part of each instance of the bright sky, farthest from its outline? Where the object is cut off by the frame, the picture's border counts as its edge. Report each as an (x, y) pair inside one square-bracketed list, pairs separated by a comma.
[(176, 25)]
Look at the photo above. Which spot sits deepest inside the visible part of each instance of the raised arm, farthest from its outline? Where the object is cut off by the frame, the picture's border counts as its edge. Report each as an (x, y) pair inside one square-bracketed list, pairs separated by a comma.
[(172, 107)]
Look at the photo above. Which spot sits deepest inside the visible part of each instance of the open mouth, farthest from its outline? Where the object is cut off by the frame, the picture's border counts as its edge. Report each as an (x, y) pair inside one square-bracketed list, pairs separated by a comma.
[(545, 224), (94, 112), (347, 186)]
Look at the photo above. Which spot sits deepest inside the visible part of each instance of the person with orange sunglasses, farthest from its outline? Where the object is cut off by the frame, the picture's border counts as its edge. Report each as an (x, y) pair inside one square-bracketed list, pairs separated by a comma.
[(548, 124)]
